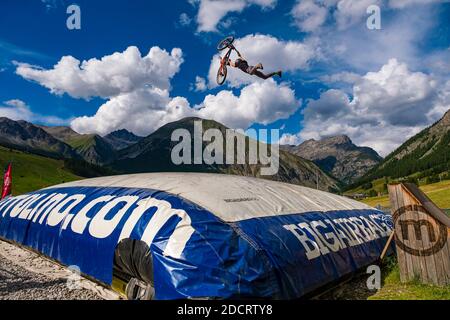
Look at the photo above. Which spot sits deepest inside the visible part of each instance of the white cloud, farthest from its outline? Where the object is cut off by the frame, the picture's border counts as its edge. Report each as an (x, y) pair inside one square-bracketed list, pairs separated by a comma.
[(273, 53), (144, 111), (439, 62), (290, 139), (110, 76), (359, 50), (199, 85), (51, 4), (400, 4), (349, 12), (344, 76), (442, 102), (346, 44), (309, 15), (393, 91), (184, 19), (259, 102), (211, 12), (385, 108), (17, 109), (137, 88)]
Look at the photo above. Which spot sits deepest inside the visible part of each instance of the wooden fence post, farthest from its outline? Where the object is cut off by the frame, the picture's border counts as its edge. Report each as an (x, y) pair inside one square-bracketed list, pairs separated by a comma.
[(422, 236)]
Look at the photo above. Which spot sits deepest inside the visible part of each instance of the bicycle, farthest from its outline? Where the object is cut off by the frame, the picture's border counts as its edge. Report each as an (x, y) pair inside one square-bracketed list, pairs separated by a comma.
[(222, 72)]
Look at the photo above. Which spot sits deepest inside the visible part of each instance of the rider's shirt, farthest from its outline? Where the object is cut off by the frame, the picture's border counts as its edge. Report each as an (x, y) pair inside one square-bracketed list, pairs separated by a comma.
[(242, 64)]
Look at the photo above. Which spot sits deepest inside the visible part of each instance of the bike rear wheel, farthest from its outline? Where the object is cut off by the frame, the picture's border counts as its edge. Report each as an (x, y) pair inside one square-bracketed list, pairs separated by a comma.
[(221, 75)]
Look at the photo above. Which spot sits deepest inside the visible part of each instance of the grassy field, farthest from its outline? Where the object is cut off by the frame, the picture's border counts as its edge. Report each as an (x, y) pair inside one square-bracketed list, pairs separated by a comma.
[(32, 172), (393, 289), (438, 192), (377, 185)]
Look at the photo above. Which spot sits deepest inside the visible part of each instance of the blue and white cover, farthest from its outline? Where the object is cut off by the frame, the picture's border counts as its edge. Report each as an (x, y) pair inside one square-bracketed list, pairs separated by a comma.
[(210, 235)]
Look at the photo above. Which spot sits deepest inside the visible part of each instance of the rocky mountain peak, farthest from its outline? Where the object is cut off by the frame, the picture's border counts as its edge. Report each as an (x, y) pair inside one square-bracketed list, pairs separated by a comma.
[(446, 119), (339, 156), (337, 140), (122, 134), (121, 139)]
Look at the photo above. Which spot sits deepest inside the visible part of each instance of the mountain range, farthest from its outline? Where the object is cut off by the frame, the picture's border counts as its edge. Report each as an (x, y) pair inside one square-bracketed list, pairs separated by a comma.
[(22, 135), (153, 153), (124, 152), (339, 156), (92, 147), (332, 163)]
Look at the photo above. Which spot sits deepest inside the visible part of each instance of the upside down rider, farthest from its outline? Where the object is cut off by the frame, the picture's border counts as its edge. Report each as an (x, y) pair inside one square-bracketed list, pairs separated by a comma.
[(243, 65)]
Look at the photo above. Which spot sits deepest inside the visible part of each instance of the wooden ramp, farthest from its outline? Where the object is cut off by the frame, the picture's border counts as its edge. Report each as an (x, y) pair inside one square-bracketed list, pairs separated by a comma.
[(422, 236)]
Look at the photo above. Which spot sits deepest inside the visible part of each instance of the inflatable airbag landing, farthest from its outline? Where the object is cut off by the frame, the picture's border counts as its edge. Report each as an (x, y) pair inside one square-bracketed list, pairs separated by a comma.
[(208, 235)]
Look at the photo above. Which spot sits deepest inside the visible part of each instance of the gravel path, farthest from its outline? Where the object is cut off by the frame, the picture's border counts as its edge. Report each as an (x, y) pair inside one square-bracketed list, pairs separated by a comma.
[(24, 275), (354, 289)]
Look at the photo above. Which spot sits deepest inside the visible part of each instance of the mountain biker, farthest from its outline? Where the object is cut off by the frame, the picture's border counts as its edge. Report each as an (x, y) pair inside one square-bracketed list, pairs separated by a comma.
[(242, 64)]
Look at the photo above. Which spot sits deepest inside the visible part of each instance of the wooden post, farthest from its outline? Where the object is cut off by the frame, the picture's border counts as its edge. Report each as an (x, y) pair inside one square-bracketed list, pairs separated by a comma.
[(386, 247), (422, 236)]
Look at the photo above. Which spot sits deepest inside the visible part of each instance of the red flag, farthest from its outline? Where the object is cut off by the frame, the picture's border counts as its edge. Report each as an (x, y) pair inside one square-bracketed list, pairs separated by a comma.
[(7, 182)]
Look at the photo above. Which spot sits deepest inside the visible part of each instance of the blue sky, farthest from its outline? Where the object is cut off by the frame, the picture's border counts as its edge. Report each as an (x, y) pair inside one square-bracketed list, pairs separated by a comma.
[(377, 86)]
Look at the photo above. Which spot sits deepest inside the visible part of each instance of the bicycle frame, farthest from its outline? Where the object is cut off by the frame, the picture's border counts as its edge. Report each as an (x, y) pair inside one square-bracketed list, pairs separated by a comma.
[(225, 59), (222, 72)]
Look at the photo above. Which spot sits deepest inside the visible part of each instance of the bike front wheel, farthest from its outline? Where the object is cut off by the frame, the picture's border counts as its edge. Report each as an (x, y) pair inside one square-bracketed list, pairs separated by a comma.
[(225, 43)]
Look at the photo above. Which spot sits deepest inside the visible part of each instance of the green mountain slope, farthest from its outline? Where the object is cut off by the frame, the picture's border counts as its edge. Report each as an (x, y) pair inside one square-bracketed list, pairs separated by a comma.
[(26, 136), (61, 133), (426, 155), (32, 172), (91, 147)]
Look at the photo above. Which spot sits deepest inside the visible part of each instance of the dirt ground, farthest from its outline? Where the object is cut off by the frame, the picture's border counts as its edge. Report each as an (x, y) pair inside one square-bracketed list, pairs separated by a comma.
[(24, 275), (354, 289)]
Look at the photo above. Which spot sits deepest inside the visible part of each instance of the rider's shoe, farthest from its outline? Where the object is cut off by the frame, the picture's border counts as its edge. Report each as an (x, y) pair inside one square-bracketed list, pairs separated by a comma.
[(259, 66), (280, 73)]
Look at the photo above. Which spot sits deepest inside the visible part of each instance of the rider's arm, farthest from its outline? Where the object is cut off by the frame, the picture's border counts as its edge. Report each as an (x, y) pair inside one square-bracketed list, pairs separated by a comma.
[(238, 53), (231, 63)]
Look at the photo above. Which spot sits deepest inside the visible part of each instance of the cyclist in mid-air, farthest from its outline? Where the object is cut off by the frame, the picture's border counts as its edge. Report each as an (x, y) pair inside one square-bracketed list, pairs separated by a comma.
[(242, 64)]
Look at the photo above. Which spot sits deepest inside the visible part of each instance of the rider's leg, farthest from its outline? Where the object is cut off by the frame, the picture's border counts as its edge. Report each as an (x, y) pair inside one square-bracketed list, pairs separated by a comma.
[(265, 76), (253, 69)]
